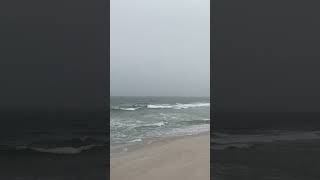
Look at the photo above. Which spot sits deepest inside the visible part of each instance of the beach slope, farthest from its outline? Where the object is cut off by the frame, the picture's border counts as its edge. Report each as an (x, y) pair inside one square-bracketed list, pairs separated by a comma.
[(185, 158)]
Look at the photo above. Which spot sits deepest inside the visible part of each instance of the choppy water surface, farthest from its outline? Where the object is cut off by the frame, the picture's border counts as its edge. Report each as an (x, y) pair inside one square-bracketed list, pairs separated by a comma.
[(135, 119)]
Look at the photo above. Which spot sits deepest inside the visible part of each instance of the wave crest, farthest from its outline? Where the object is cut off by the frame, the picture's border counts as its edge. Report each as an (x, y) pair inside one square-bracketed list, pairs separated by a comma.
[(160, 106)]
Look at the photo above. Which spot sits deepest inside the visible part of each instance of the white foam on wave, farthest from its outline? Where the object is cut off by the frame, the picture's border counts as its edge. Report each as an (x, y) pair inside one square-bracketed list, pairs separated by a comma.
[(205, 119), (135, 140), (124, 123), (125, 108), (177, 106), (191, 130), (158, 124), (130, 109), (185, 106), (159, 106), (163, 106)]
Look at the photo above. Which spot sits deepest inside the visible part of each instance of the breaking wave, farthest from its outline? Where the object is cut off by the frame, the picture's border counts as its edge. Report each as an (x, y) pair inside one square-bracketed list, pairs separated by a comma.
[(160, 106)]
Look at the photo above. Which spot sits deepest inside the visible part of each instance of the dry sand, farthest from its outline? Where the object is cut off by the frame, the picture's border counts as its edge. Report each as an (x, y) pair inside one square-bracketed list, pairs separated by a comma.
[(185, 158)]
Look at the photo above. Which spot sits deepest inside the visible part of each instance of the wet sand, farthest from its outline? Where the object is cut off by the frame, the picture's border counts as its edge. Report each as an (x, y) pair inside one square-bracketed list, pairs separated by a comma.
[(186, 158)]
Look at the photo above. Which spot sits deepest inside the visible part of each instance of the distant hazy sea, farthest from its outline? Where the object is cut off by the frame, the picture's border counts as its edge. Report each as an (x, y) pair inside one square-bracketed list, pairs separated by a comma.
[(139, 119)]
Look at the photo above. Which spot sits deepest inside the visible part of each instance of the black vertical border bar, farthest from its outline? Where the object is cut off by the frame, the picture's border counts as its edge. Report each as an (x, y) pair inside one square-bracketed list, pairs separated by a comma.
[(107, 17), (212, 83)]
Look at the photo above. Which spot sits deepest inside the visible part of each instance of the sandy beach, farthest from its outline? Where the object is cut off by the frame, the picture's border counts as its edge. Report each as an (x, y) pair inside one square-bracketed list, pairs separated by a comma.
[(186, 158)]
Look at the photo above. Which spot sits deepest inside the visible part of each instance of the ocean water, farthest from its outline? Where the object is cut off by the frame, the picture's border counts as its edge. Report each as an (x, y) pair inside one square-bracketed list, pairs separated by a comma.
[(244, 130), (223, 141), (139, 119), (54, 132), (53, 144), (266, 145)]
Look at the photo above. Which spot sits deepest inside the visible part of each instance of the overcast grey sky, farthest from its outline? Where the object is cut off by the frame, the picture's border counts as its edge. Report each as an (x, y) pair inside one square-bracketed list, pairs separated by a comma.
[(160, 48)]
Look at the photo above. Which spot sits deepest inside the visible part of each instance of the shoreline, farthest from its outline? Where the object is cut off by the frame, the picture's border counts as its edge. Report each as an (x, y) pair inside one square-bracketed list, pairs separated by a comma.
[(123, 149), (185, 158)]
